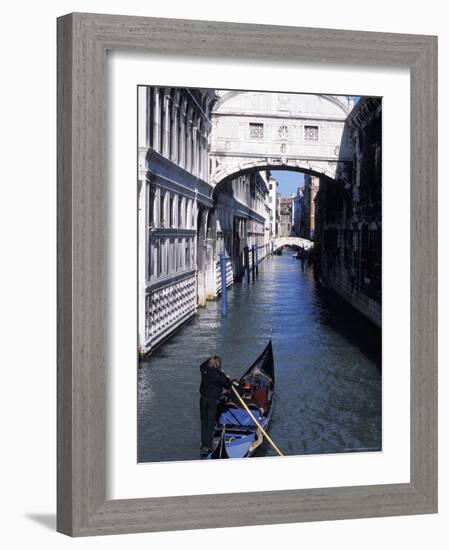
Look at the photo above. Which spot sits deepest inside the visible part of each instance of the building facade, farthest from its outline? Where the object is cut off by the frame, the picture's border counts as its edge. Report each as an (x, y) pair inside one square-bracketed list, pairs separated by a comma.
[(185, 222), (237, 229), (308, 207), (285, 223), (273, 205), (174, 199), (349, 225), (297, 209)]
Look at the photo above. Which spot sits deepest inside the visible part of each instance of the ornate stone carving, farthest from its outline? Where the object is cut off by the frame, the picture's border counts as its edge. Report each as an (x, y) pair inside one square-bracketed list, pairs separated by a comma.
[(283, 131), (167, 306)]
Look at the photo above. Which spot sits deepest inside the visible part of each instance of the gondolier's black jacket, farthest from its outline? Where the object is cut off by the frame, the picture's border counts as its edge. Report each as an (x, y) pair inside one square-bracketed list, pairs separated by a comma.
[(212, 382)]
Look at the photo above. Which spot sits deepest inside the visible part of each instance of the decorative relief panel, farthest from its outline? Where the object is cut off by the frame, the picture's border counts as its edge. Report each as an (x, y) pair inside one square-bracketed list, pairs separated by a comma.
[(168, 306), (283, 131)]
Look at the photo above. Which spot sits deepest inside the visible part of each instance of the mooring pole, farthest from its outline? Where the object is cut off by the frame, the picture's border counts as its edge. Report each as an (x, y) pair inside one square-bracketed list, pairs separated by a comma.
[(257, 259), (253, 257), (246, 260), (224, 288)]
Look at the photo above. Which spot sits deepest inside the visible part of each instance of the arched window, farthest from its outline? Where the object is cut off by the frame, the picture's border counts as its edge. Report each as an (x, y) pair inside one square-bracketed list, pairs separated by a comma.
[(189, 214), (152, 257), (161, 209), (179, 140), (187, 253), (186, 142), (181, 212), (171, 210), (171, 257), (161, 121), (151, 115), (151, 206), (172, 132), (192, 219)]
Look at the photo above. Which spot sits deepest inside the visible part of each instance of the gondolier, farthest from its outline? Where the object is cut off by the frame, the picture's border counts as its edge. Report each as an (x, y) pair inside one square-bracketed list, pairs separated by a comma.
[(246, 412), (213, 381)]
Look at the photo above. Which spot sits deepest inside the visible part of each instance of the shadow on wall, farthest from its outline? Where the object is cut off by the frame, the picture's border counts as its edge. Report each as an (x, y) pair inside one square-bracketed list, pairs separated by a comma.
[(46, 520), (348, 229)]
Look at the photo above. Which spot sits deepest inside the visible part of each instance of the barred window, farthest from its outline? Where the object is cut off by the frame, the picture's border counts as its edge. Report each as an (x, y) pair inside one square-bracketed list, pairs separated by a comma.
[(311, 133), (153, 259), (255, 130)]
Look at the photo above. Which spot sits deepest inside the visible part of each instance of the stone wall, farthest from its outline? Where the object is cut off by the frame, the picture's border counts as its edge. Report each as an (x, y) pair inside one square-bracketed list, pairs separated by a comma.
[(348, 234)]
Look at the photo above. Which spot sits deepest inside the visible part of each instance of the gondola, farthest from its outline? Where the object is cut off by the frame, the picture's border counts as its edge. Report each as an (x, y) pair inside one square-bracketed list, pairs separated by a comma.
[(236, 435)]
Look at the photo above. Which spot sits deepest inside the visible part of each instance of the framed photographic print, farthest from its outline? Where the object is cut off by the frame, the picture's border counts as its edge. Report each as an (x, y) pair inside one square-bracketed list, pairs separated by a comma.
[(246, 274)]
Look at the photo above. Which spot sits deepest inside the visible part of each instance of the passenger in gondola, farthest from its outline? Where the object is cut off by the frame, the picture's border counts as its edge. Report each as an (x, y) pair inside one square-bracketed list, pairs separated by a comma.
[(213, 382)]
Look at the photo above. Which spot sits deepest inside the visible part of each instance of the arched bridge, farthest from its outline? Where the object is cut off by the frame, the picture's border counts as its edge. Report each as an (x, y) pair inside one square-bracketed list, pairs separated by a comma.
[(275, 131), (295, 242)]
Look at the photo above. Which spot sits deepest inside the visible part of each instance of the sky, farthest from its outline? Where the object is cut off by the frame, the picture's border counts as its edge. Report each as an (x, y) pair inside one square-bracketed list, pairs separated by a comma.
[(288, 181)]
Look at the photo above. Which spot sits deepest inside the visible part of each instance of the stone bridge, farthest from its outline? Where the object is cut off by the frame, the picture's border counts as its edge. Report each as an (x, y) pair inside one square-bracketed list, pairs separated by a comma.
[(295, 242), (276, 131)]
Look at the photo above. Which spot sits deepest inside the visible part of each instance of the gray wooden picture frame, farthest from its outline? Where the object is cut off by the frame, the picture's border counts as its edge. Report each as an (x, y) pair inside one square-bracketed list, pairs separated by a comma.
[(83, 40)]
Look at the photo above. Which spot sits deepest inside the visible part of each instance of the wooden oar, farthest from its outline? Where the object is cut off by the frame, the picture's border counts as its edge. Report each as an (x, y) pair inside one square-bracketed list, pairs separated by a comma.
[(257, 423)]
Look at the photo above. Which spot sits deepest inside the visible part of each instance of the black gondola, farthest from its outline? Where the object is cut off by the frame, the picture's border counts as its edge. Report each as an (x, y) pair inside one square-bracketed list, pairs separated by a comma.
[(236, 435)]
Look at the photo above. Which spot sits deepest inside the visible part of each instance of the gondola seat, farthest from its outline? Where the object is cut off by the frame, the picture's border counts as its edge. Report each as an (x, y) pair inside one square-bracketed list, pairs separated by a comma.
[(260, 398)]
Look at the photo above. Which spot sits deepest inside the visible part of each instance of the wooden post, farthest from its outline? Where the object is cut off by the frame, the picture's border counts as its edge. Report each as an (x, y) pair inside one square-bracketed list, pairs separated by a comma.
[(253, 257), (246, 262), (224, 288)]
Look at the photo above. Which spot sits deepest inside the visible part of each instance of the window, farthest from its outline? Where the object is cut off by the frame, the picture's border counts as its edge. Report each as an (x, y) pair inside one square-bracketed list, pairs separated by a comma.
[(177, 262), (161, 125), (151, 206), (151, 121), (187, 253), (153, 259), (179, 138), (180, 216), (172, 212), (159, 257), (171, 257), (192, 253), (182, 257), (255, 130), (311, 133), (163, 256), (162, 209), (189, 214)]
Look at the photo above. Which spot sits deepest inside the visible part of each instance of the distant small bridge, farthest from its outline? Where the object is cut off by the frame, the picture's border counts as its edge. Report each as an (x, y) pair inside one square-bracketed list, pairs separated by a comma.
[(294, 242)]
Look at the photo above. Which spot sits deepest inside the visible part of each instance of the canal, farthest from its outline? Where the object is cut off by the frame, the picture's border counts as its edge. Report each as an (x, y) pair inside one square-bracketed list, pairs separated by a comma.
[(327, 360)]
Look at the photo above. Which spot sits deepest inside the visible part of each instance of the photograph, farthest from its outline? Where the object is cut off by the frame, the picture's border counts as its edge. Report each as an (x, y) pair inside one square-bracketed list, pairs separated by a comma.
[(259, 274)]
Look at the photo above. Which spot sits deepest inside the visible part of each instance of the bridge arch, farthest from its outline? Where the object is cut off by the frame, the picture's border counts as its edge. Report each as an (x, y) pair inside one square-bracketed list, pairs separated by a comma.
[(257, 131), (221, 177), (293, 242)]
